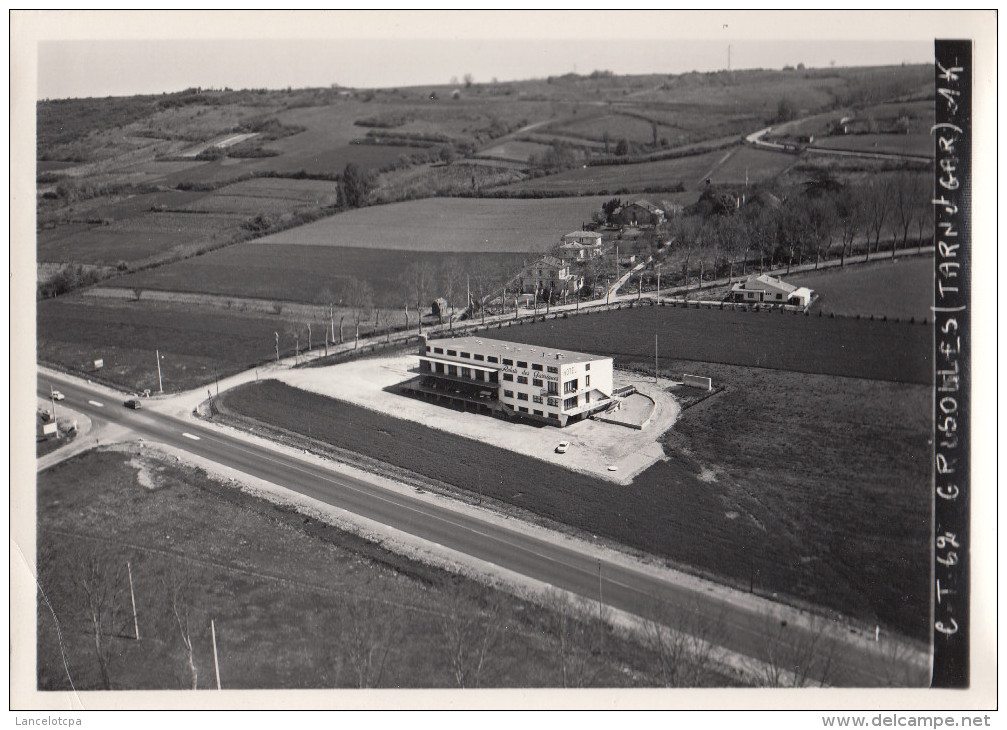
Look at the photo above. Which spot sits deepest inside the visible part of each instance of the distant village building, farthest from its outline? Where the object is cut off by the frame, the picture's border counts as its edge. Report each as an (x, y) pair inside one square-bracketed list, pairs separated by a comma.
[(551, 386), (763, 288), (580, 245), (638, 213), (551, 274)]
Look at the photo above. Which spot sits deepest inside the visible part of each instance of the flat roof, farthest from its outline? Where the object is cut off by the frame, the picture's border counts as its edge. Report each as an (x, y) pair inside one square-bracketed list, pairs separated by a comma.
[(514, 350)]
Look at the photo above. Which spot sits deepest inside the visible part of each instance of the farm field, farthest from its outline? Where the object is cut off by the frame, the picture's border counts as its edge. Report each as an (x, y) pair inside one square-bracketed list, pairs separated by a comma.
[(266, 196), (902, 289), (616, 126), (314, 274), (894, 351), (196, 343), (312, 598), (904, 144), (514, 150), (689, 171), (738, 514), (448, 225), (135, 239), (753, 164)]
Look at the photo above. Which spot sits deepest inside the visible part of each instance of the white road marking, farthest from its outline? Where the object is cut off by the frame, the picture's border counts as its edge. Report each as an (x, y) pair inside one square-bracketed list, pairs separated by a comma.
[(96, 403), (190, 436)]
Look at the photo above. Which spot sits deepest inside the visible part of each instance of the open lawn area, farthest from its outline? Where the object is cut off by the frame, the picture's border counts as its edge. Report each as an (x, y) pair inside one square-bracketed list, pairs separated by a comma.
[(896, 351), (321, 274), (136, 238), (196, 343), (903, 288), (806, 508), (448, 225), (295, 603)]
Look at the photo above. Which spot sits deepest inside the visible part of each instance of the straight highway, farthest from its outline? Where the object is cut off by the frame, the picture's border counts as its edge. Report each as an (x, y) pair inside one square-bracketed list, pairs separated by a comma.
[(746, 621)]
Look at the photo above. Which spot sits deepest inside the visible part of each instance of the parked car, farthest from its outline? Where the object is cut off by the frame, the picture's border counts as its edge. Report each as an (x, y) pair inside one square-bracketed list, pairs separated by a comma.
[(562, 447), (57, 395), (134, 404)]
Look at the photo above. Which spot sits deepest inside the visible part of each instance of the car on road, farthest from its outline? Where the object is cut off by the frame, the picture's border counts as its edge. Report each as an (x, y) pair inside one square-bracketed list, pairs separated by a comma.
[(134, 404), (56, 395), (562, 447)]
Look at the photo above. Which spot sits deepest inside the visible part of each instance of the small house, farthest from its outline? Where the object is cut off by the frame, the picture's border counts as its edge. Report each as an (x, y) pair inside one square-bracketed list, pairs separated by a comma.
[(639, 213), (766, 289)]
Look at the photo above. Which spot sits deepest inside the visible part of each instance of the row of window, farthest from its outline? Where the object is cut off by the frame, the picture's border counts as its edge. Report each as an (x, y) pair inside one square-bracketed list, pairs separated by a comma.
[(492, 358), (522, 409)]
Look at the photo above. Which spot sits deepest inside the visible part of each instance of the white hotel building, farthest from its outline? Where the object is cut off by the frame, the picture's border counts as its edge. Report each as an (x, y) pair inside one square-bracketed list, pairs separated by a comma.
[(551, 386)]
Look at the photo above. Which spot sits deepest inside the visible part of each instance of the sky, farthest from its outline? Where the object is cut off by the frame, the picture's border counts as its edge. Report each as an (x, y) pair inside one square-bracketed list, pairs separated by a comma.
[(116, 53)]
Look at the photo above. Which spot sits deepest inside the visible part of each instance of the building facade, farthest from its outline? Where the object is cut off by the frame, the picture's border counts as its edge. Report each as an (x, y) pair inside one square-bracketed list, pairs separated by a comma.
[(549, 274), (551, 386), (766, 289)]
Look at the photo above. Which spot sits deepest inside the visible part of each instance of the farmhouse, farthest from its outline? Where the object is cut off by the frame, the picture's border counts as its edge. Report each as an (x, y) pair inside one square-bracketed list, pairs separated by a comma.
[(580, 245), (549, 274), (639, 213), (764, 288), (556, 387)]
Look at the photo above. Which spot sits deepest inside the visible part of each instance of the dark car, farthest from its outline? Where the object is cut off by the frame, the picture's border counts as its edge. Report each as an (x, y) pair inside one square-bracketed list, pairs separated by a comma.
[(134, 404)]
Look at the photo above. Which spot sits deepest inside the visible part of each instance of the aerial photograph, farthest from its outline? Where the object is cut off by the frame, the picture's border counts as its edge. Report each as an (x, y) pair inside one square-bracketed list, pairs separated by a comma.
[(395, 363)]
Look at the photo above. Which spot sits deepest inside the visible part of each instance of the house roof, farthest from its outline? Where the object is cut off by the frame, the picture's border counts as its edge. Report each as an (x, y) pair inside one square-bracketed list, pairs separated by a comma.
[(765, 281), (548, 261), (583, 234), (648, 206), (515, 350)]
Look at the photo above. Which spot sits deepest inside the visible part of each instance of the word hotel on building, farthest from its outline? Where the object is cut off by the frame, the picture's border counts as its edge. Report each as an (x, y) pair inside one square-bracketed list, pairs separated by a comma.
[(557, 387)]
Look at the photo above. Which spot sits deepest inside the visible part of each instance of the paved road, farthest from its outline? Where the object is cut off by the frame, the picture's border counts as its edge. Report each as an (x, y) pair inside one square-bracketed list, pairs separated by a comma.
[(633, 589)]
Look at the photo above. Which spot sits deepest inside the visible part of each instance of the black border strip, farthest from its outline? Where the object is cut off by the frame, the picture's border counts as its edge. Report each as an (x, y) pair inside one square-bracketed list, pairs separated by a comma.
[(952, 203)]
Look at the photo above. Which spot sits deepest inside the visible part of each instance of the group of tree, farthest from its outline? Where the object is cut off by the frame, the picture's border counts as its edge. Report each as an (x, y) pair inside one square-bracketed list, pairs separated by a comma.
[(354, 186), (824, 220)]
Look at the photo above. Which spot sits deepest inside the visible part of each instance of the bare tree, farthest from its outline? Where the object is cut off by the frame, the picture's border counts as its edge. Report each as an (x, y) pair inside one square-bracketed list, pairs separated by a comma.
[(876, 205), (820, 215), (470, 635), (849, 212), (418, 282), (687, 643), (796, 656), (367, 639), (102, 587), (359, 297), (180, 603), (576, 626)]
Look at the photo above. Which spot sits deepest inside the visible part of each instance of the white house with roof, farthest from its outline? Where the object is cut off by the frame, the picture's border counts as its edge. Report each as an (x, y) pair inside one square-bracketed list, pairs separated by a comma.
[(549, 273), (580, 245), (766, 289)]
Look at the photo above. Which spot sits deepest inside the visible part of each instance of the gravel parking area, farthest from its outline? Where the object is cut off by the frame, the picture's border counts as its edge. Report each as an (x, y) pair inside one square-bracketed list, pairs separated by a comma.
[(606, 450)]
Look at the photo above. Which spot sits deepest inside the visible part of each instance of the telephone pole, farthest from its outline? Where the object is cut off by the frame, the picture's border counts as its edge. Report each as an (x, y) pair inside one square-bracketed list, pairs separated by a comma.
[(157, 354)]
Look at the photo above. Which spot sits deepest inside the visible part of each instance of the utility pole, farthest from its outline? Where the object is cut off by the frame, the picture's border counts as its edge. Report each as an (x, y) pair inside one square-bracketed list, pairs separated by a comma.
[(655, 358), (658, 299), (277, 336), (132, 598), (157, 354), (216, 664), (52, 399)]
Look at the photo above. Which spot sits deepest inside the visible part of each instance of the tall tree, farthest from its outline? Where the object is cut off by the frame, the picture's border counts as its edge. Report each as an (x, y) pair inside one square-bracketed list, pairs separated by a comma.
[(849, 213), (820, 215), (353, 186), (876, 205), (359, 297)]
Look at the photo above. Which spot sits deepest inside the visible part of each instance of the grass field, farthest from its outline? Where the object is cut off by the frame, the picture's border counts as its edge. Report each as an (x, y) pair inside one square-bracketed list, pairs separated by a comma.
[(315, 274), (266, 196), (617, 126), (135, 239), (800, 508), (514, 150), (904, 144), (662, 175), (448, 225), (899, 352), (196, 343), (295, 603), (897, 289)]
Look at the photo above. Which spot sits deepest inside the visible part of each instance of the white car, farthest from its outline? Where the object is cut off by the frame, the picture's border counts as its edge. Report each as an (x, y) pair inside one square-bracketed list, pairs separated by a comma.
[(57, 395), (562, 447)]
